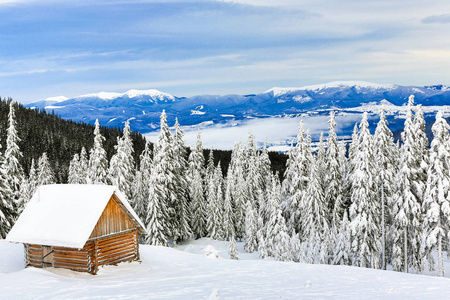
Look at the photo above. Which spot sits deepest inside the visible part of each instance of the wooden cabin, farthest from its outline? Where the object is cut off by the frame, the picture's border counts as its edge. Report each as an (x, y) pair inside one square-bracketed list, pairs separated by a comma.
[(78, 227)]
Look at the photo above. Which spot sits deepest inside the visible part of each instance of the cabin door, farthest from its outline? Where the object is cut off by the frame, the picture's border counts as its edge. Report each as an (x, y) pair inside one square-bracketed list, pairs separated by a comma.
[(47, 256)]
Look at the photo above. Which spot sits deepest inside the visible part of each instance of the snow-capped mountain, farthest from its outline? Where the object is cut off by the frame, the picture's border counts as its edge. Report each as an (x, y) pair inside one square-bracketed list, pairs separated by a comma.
[(348, 98)]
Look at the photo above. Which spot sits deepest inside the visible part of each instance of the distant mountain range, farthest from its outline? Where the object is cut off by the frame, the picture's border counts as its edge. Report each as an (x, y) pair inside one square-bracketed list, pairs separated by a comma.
[(347, 98)]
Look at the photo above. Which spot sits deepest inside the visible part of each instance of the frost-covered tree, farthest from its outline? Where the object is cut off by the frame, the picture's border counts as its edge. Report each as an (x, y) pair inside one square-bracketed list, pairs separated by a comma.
[(196, 172), (276, 229), (163, 178), (7, 207), (228, 215), (121, 168), (74, 170), (44, 172), (365, 208), (239, 189), (98, 163), (315, 223), (407, 201), (255, 182), (142, 183), (83, 166), (183, 229), (436, 225), (386, 156), (11, 164), (296, 179), (214, 222), (333, 176), (232, 250), (157, 231), (251, 228), (342, 250)]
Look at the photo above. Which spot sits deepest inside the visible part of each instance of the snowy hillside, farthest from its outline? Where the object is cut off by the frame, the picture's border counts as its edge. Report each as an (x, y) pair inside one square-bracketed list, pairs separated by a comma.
[(223, 114), (167, 273)]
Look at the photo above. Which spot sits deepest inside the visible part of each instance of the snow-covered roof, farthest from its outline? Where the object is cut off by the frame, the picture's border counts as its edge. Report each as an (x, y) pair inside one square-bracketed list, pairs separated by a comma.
[(65, 214)]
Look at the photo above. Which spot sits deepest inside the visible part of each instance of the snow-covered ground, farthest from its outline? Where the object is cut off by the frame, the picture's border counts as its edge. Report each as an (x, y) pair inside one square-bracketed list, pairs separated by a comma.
[(201, 270)]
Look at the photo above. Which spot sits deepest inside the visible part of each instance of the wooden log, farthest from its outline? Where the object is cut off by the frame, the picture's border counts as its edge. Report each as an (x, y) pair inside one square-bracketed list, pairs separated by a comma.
[(116, 250), (115, 247), (115, 239), (116, 242), (70, 254), (72, 261), (115, 257), (118, 259), (69, 264)]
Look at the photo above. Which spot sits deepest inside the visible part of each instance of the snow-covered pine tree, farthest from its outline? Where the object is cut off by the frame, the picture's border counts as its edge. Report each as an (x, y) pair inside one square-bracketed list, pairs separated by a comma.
[(365, 208), (11, 164), (276, 226), (142, 182), (7, 207), (44, 172), (253, 175), (296, 179), (407, 201), (386, 156), (196, 172), (436, 204), (182, 215), (214, 222), (121, 168), (251, 228), (228, 214), (333, 176), (239, 190), (342, 251), (83, 166), (232, 250), (156, 218), (162, 183), (98, 163), (315, 220), (163, 174), (74, 170)]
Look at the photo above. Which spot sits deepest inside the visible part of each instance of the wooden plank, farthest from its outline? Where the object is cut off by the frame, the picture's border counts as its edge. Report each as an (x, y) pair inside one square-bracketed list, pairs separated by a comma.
[(71, 253), (117, 259), (113, 235), (116, 256), (73, 268), (115, 250), (81, 264), (75, 260), (116, 242)]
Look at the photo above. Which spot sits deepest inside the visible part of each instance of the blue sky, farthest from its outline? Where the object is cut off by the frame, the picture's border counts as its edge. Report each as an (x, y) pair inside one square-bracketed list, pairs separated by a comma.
[(184, 47)]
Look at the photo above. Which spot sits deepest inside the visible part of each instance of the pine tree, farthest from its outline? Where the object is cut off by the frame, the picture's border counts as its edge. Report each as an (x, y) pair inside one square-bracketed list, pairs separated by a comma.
[(228, 216), (121, 169), (315, 222), (183, 229), (253, 176), (83, 166), (239, 190), (386, 155), (163, 183), (276, 226), (342, 251), (157, 231), (45, 173), (214, 222), (333, 176), (142, 183), (365, 209), (74, 170), (11, 164), (251, 228), (407, 201), (296, 179), (436, 205), (98, 164), (233, 249), (196, 172), (7, 209)]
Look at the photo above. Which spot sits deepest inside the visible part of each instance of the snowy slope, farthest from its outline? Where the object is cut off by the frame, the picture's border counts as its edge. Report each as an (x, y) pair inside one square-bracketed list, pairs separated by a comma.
[(167, 273), (347, 98)]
